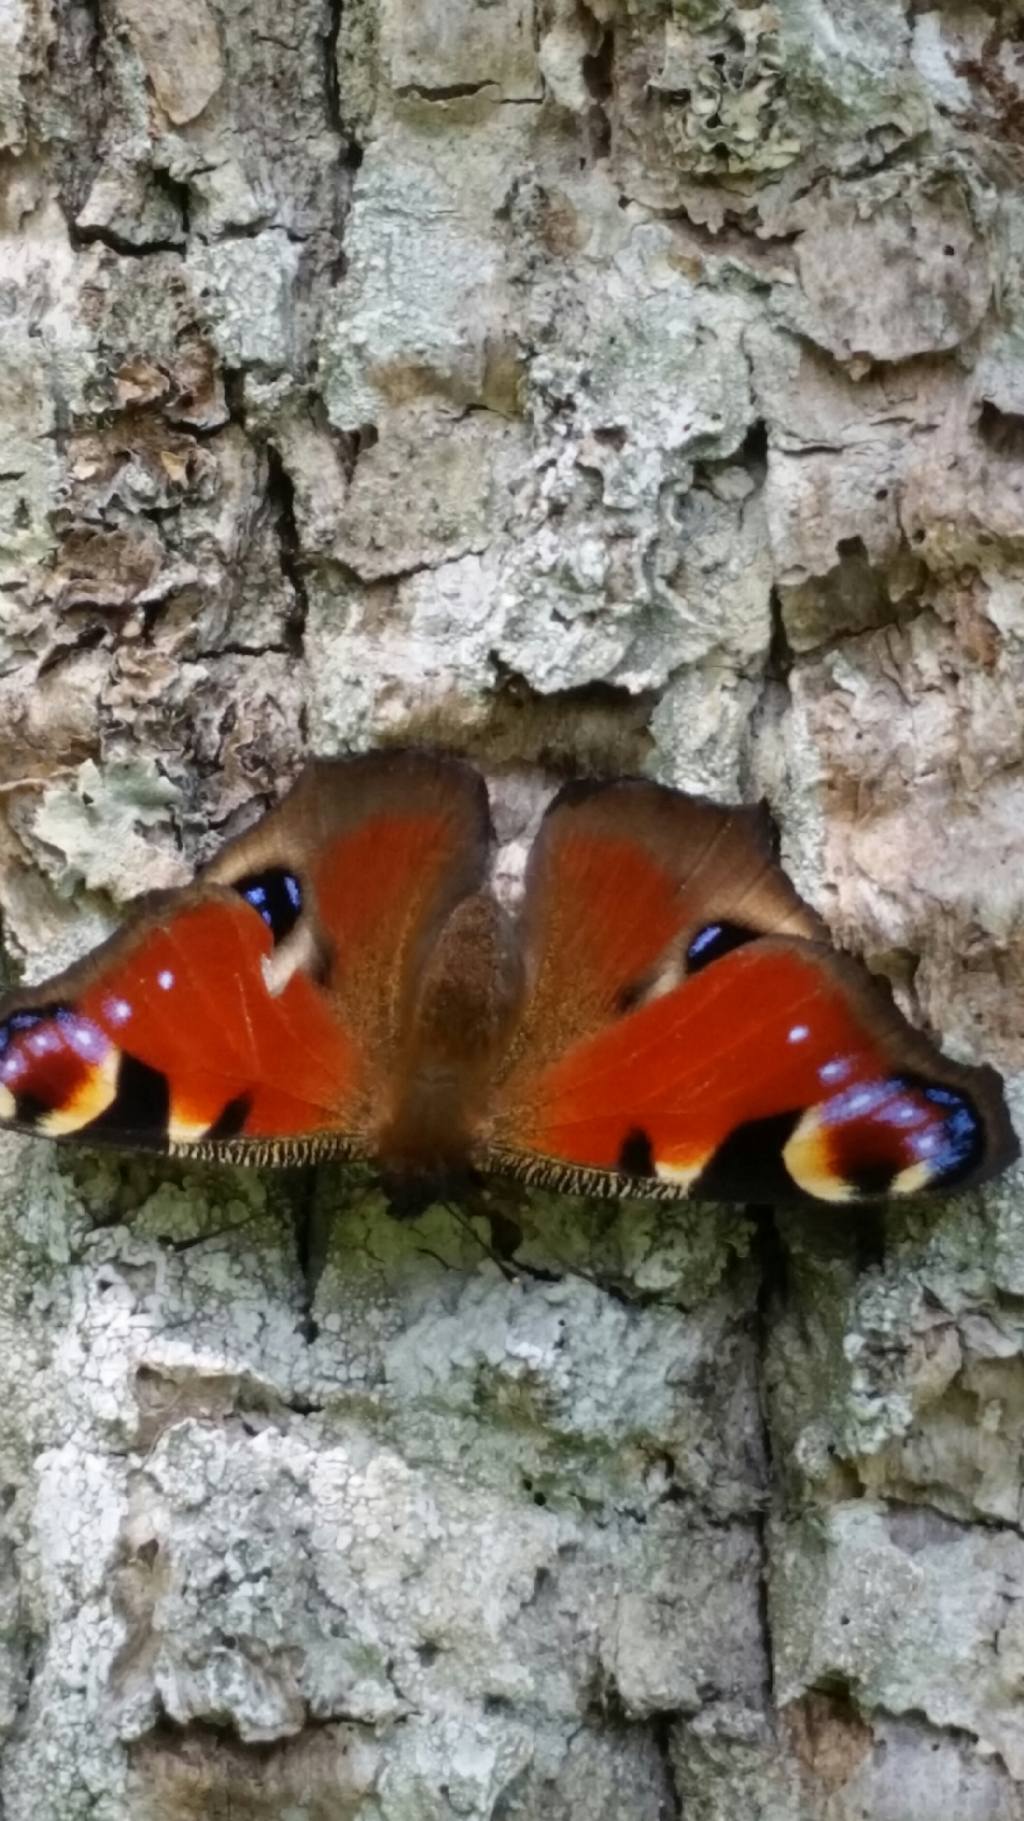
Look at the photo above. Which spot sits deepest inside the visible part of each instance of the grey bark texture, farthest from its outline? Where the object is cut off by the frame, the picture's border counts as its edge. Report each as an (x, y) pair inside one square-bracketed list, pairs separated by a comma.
[(632, 383)]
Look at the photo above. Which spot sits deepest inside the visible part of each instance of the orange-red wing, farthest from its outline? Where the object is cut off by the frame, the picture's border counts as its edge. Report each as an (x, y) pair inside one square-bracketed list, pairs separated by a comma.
[(776, 1071), (622, 877), (687, 1030), (267, 1002), (169, 1032)]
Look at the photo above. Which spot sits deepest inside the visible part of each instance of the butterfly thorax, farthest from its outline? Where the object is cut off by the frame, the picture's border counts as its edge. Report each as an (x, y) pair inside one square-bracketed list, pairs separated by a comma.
[(456, 1032)]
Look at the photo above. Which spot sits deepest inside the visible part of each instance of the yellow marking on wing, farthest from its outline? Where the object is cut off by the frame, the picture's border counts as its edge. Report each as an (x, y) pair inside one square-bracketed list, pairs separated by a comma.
[(682, 1174), (806, 1157), (183, 1128), (912, 1180)]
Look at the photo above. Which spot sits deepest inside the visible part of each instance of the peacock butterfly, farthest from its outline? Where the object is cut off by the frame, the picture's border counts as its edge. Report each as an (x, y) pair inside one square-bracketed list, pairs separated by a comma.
[(663, 1017)]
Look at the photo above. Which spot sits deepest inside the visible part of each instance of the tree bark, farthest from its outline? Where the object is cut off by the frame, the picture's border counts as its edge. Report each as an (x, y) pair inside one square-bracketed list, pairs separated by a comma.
[(624, 384)]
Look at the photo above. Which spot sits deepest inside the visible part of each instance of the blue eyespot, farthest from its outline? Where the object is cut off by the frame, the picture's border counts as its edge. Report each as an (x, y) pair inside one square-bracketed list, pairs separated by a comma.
[(276, 895), (961, 1130), (952, 1144), (703, 939), (713, 941), (27, 1021)]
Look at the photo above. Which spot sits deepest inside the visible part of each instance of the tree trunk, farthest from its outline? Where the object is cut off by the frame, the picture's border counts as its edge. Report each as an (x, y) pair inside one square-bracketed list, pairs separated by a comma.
[(628, 384)]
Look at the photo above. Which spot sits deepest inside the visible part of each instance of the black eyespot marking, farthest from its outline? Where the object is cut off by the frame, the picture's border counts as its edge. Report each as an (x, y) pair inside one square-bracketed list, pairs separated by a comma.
[(958, 1146), (636, 1157), (712, 941), (277, 895), (140, 1110), (748, 1166), (29, 1109), (870, 1177), (231, 1119)]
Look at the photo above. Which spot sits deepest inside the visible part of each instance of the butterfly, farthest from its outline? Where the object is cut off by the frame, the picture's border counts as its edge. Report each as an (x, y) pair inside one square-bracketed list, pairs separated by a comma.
[(663, 1016)]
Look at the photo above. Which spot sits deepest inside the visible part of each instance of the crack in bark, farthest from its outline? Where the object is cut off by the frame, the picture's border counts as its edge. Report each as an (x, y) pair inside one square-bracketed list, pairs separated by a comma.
[(781, 656), (172, 1733), (94, 234), (771, 1291), (211, 654), (460, 91), (281, 498), (661, 1732), (332, 86), (597, 74), (310, 1250)]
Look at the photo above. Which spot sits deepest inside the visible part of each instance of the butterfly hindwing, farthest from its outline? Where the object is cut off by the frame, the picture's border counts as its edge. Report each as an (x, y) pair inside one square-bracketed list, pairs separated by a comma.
[(262, 1006), (710, 1042), (169, 1034)]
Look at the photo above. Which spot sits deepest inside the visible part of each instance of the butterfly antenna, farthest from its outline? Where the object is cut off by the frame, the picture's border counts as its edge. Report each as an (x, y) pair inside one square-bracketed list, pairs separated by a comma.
[(462, 1219), (518, 1269)]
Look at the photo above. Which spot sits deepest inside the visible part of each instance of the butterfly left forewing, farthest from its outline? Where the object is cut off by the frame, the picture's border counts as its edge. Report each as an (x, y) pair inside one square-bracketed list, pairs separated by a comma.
[(723, 1061), (260, 1013)]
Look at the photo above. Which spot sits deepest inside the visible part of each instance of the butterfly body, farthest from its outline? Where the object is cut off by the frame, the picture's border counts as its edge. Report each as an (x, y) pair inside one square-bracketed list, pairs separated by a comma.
[(662, 1016), (460, 1026)]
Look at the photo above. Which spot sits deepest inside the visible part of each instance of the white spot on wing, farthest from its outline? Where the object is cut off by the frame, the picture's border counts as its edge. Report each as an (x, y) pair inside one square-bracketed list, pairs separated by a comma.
[(798, 1032), (165, 979), (86, 1039), (925, 1144)]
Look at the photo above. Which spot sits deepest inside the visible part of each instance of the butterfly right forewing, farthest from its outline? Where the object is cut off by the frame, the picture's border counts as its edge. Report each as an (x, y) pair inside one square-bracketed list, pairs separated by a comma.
[(689, 1030)]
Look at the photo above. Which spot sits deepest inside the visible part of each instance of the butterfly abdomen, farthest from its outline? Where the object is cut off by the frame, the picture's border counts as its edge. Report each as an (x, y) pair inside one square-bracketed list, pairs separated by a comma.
[(457, 1031)]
